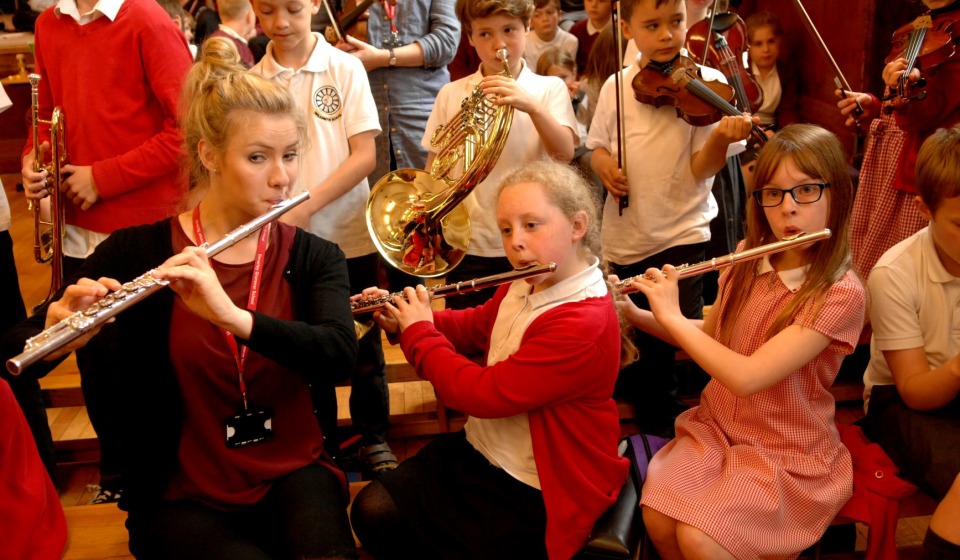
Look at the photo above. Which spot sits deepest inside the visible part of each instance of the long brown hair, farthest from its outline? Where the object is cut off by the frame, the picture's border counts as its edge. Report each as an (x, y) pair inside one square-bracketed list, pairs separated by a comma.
[(817, 153)]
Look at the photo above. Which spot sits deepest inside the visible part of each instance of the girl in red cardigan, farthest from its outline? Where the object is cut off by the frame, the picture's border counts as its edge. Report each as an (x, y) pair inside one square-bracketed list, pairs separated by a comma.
[(536, 463)]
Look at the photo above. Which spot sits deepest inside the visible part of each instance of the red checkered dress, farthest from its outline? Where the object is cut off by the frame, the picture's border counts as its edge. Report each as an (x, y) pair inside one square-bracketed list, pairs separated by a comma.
[(882, 215), (764, 475)]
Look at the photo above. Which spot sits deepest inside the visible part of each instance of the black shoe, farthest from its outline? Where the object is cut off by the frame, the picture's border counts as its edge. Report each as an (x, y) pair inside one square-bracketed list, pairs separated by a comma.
[(377, 459), (103, 495)]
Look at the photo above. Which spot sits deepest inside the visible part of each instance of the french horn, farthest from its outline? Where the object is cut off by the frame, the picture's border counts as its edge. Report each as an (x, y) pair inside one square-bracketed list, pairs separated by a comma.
[(415, 217)]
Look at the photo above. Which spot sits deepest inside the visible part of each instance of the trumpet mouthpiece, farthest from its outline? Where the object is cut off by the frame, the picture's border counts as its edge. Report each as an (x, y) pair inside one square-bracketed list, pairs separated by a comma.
[(502, 55)]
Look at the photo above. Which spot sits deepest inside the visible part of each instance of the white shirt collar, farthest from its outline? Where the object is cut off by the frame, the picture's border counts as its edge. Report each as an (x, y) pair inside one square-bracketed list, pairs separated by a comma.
[(229, 31), (588, 282), (108, 8), (591, 30), (478, 75), (319, 60), (793, 279)]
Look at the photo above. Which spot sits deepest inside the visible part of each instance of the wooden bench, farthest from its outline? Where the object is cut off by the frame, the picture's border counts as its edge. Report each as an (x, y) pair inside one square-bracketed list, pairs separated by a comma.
[(97, 532)]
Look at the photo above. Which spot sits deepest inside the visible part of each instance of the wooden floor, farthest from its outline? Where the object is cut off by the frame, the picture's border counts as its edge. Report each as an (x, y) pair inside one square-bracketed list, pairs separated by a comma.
[(69, 423)]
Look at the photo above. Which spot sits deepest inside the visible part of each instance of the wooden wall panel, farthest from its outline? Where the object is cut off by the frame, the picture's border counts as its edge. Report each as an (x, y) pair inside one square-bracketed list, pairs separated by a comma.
[(857, 32)]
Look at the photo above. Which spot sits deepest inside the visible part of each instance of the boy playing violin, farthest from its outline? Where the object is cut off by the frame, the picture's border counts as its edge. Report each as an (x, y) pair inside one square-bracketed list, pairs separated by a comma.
[(669, 170)]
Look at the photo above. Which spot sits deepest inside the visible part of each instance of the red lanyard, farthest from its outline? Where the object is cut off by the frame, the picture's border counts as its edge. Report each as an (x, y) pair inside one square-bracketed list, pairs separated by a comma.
[(390, 7), (240, 353)]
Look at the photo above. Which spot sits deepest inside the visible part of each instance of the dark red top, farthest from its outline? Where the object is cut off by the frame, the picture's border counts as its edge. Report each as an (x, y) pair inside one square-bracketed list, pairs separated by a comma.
[(206, 371), (586, 41), (246, 55)]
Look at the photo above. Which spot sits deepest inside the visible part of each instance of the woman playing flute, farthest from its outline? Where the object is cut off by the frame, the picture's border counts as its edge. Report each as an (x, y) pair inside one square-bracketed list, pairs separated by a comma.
[(226, 457)]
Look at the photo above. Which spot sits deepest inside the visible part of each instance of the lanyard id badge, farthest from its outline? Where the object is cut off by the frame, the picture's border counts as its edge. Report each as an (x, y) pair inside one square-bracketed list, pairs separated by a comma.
[(393, 40), (251, 424)]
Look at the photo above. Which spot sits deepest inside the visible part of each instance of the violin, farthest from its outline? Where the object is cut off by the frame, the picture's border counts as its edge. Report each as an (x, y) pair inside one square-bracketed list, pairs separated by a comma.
[(677, 84), (352, 20), (719, 42), (925, 43)]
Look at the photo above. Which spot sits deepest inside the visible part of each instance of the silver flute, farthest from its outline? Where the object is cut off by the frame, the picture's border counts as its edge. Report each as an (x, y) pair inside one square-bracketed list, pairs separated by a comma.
[(465, 287), (687, 270), (73, 327)]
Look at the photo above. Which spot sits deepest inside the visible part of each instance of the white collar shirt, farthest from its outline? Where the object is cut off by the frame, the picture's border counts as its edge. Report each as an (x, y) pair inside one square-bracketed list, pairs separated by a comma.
[(668, 205), (105, 8)]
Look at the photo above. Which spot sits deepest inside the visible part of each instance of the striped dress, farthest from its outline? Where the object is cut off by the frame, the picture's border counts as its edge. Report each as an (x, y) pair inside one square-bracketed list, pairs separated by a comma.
[(882, 215), (764, 475)]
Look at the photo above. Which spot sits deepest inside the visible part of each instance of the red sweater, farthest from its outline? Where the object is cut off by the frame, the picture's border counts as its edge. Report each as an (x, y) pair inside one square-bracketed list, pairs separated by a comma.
[(32, 526), (562, 376), (118, 84)]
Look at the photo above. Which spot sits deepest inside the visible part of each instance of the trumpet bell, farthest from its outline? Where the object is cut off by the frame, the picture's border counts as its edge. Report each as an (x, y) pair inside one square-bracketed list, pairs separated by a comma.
[(400, 217)]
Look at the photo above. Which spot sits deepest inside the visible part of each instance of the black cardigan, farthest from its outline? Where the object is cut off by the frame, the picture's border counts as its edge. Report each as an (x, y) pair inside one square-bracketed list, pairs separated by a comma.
[(321, 343)]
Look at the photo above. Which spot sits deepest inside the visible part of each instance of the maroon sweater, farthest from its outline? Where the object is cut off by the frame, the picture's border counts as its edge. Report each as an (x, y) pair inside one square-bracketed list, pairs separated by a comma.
[(586, 41), (118, 84)]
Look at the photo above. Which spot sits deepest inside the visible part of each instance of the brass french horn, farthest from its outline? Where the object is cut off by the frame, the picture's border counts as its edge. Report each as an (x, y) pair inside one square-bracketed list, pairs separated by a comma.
[(48, 230), (414, 217)]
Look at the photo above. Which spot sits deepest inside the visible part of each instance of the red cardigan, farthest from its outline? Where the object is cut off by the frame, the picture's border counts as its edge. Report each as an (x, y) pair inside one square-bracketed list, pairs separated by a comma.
[(118, 84), (32, 526), (562, 376)]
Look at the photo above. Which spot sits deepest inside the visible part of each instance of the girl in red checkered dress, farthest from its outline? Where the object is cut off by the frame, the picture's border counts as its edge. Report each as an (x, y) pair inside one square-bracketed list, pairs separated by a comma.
[(758, 470)]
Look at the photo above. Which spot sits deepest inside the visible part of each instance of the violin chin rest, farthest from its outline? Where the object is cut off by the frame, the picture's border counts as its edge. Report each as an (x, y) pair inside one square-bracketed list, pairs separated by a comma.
[(725, 21)]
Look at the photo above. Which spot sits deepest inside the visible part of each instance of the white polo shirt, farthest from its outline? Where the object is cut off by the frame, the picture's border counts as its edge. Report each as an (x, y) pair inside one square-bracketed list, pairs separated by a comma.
[(914, 303), (332, 88), (668, 205), (523, 145)]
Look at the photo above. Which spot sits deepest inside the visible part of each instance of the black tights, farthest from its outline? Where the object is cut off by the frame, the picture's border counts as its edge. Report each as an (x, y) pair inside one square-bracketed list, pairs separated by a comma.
[(382, 531), (302, 516)]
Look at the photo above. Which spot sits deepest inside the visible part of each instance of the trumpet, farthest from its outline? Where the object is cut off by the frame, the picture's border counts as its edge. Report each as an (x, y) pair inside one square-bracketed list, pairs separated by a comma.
[(48, 233), (378, 304), (716, 263), (415, 218), (73, 327)]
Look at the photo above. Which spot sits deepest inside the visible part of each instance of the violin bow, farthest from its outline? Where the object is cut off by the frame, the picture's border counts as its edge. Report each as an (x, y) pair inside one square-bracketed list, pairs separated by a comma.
[(706, 44), (624, 200), (808, 23)]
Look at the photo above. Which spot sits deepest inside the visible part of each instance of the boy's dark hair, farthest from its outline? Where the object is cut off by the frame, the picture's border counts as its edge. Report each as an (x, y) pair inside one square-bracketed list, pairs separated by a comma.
[(627, 6), (938, 167), (543, 3), (469, 10)]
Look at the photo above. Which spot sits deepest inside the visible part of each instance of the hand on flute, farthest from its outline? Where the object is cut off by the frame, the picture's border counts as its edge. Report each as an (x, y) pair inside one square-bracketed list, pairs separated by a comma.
[(385, 320), (192, 278), (412, 308), (78, 297)]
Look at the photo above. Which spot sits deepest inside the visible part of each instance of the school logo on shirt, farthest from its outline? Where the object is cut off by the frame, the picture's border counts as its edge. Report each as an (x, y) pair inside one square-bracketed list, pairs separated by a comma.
[(327, 104)]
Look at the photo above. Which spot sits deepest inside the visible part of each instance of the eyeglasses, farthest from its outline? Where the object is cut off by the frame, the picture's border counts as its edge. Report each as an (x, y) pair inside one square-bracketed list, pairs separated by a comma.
[(802, 194)]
